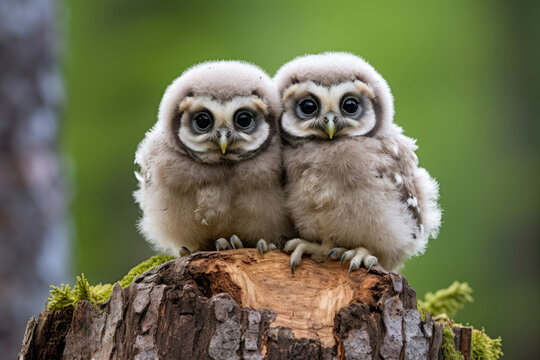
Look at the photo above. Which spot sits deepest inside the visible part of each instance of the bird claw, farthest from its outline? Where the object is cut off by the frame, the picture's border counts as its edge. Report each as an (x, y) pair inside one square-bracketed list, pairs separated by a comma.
[(330, 253), (222, 244), (370, 265), (335, 253), (236, 243), (352, 266), (262, 246), (292, 265), (342, 258), (184, 251)]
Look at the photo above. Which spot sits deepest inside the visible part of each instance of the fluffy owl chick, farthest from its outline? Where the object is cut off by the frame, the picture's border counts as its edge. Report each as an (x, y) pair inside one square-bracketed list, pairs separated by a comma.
[(353, 183), (210, 168)]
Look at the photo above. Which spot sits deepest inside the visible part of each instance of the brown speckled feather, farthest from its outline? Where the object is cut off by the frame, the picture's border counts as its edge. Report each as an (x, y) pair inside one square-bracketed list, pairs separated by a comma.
[(402, 172)]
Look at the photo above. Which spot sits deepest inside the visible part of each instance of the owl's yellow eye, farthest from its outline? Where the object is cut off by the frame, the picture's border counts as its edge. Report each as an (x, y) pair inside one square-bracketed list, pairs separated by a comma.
[(306, 108), (351, 106), (202, 121), (243, 120)]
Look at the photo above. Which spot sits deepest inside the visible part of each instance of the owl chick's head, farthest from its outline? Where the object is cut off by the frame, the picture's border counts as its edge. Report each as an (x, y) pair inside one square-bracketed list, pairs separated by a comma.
[(222, 111), (333, 95)]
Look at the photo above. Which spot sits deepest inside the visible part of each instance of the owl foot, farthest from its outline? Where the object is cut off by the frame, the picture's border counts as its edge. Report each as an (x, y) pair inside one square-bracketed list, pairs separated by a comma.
[(264, 247), (298, 247), (358, 257), (184, 251)]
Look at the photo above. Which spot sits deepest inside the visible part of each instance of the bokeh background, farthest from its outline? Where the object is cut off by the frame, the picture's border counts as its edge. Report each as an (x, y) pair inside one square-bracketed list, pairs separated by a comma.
[(465, 76)]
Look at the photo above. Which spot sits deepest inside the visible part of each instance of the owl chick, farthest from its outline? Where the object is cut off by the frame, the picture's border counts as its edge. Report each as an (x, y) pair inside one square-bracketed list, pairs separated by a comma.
[(210, 168), (353, 183)]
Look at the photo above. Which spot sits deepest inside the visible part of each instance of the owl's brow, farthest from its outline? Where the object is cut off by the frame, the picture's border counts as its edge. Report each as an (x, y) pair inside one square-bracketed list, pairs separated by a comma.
[(259, 103), (365, 89), (290, 90), (186, 103)]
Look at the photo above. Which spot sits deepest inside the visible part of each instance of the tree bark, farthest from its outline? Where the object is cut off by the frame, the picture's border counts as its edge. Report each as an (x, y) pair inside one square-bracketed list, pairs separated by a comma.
[(33, 231), (241, 305)]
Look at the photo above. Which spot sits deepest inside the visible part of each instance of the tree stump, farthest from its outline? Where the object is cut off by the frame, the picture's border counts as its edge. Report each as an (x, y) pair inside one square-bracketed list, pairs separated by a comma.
[(241, 305)]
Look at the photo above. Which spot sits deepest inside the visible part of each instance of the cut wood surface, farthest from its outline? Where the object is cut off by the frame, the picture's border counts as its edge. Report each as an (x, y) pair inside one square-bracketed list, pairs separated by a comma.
[(240, 305)]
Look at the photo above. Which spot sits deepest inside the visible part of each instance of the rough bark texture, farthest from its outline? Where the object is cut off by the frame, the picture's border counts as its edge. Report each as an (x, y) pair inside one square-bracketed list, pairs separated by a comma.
[(239, 305), (33, 231)]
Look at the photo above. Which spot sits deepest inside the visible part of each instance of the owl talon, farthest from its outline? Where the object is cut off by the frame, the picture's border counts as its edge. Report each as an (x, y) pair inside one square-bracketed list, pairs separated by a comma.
[(292, 265), (334, 254), (373, 261), (184, 251), (262, 246), (343, 258), (330, 253), (347, 255), (222, 244), (353, 266), (236, 243)]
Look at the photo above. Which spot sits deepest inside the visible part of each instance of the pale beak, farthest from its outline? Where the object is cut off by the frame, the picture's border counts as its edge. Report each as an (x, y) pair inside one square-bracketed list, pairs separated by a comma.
[(223, 141), (330, 127)]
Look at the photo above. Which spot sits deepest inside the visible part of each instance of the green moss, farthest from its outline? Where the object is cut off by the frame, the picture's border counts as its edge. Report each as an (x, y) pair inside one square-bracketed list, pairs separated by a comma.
[(448, 301), (485, 348), (445, 303), (448, 344), (63, 296), (82, 289), (422, 308), (60, 297), (482, 346), (101, 292), (143, 267)]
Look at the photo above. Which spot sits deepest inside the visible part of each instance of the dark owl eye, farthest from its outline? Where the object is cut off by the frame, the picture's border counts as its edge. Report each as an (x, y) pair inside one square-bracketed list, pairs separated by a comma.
[(202, 121), (243, 119), (306, 108), (350, 106)]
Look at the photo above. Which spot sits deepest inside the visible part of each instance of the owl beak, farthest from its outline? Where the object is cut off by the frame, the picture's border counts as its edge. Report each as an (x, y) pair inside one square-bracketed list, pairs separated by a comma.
[(223, 142), (330, 127)]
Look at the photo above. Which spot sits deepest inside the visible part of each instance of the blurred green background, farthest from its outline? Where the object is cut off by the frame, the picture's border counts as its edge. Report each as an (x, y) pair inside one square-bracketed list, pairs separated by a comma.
[(465, 77)]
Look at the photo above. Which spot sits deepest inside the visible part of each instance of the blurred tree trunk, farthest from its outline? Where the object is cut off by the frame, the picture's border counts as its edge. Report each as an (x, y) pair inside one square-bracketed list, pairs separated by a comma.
[(33, 232)]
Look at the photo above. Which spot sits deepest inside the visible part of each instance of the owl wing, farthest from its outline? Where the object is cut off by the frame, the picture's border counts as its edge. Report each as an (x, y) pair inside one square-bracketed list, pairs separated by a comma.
[(142, 176), (417, 188), (144, 160), (153, 154)]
